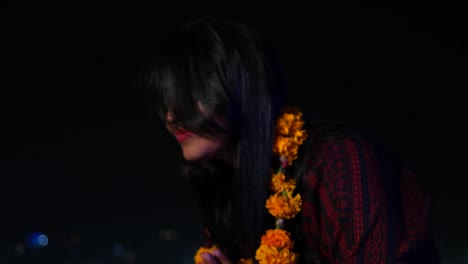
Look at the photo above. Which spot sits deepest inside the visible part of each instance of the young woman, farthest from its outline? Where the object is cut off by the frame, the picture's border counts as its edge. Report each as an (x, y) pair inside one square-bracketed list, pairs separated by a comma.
[(271, 185)]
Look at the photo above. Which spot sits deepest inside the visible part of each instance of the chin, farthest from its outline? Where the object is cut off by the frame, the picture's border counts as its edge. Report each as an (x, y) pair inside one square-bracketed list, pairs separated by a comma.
[(190, 156), (198, 156)]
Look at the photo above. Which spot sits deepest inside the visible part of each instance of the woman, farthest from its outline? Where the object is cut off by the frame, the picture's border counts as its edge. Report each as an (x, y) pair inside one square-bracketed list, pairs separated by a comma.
[(345, 199)]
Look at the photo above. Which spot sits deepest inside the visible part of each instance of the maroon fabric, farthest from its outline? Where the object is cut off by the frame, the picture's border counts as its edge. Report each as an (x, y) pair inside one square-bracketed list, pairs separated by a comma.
[(360, 207)]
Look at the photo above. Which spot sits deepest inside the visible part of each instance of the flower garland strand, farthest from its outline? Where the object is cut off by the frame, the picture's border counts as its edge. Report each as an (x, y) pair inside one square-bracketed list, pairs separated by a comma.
[(276, 246)]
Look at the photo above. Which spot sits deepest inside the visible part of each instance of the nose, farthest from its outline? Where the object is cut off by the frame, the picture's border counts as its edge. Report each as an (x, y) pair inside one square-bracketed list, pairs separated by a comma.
[(169, 116)]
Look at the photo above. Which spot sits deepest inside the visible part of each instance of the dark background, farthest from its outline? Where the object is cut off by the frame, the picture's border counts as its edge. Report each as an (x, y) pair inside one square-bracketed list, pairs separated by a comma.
[(83, 160)]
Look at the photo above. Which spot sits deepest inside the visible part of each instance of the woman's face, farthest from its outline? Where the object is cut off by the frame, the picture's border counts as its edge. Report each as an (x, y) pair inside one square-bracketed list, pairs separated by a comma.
[(195, 147)]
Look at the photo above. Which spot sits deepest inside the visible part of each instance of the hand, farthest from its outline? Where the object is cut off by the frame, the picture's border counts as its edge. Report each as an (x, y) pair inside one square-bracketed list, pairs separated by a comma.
[(215, 257)]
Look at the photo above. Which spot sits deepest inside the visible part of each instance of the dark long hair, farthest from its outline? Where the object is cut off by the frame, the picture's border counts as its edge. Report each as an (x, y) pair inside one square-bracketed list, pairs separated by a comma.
[(225, 66)]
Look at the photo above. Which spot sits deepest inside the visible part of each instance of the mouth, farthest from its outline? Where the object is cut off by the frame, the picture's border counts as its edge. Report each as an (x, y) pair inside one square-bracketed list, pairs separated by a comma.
[(182, 135)]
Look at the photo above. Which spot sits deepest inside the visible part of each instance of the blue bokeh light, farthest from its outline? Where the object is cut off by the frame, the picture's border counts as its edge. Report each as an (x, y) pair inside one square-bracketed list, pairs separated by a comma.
[(43, 240), (37, 240)]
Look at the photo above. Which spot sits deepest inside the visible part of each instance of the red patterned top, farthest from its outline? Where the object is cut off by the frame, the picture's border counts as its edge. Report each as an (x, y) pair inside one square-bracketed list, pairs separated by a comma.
[(362, 207)]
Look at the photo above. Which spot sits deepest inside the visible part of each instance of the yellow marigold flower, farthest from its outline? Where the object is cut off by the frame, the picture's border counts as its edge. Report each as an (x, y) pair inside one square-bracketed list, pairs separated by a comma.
[(277, 238), (299, 136), (286, 147), (279, 183), (283, 205), (288, 123), (282, 127), (272, 255), (289, 119), (281, 145), (285, 124), (289, 134), (297, 124), (198, 259)]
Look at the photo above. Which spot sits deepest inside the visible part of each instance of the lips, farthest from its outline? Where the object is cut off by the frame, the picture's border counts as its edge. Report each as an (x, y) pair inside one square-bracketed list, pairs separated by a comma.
[(182, 135)]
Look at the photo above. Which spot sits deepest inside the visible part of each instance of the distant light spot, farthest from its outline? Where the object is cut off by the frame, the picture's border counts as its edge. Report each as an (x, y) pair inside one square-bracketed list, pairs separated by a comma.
[(19, 249), (37, 240), (43, 240), (167, 235)]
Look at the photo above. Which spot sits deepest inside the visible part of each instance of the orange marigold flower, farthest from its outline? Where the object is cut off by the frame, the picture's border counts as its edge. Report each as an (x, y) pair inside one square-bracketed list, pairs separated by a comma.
[(272, 255), (299, 136), (279, 183), (198, 259), (289, 122), (297, 124), (245, 261), (282, 127), (284, 205), (277, 238), (286, 147), (289, 134), (282, 144)]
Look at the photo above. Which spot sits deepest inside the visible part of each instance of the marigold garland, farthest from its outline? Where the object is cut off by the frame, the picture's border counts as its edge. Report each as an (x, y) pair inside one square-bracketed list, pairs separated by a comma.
[(276, 246), (279, 183), (277, 238), (272, 255), (198, 259), (284, 205)]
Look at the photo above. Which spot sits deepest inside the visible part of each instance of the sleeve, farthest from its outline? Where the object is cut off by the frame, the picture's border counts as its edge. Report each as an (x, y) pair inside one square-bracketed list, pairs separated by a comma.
[(357, 210)]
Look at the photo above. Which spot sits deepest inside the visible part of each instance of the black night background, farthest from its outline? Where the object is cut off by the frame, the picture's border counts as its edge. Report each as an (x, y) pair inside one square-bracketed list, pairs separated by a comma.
[(89, 175)]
